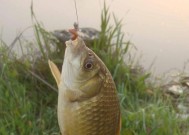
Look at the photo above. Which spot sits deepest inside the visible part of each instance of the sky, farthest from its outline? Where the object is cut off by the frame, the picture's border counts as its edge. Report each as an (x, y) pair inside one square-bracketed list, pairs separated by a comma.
[(159, 29)]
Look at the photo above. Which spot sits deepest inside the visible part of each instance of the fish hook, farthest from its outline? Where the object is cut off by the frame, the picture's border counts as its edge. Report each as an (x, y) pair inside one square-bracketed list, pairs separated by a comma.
[(74, 33), (76, 25)]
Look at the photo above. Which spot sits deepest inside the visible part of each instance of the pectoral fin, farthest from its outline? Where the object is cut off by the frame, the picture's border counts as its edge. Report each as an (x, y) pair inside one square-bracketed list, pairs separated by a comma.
[(55, 71)]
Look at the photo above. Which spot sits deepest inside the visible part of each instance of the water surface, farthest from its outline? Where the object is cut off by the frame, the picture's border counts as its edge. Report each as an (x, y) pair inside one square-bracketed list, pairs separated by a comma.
[(159, 29)]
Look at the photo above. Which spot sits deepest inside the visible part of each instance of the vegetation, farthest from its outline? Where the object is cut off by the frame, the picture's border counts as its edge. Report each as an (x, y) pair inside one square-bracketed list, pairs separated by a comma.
[(28, 96)]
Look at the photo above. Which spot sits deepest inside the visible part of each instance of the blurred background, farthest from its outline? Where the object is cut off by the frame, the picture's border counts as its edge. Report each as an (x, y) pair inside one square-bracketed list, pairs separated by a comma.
[(158, 29)]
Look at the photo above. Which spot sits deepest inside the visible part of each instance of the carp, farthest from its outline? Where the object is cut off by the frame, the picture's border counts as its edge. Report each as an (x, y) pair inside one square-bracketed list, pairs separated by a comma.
[(88, 102)]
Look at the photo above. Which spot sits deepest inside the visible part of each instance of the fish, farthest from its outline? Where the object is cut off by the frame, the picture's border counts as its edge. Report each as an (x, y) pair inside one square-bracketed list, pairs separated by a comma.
[(88, 102)]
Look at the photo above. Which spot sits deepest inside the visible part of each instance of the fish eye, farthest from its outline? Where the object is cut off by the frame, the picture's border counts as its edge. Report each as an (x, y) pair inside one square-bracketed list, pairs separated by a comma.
[(89, 65)]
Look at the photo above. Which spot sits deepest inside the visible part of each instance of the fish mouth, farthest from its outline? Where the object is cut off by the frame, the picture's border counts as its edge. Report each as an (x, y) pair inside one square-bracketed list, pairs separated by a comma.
[(72, 43), (72, 47), (76, 46)]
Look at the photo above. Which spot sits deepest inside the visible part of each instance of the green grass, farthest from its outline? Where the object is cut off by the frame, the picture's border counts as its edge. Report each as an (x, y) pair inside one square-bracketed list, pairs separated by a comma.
[(24, 110), (28, 96)]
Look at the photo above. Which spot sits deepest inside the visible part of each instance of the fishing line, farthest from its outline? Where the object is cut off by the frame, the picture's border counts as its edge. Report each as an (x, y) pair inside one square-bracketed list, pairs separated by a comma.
[(76, 25)]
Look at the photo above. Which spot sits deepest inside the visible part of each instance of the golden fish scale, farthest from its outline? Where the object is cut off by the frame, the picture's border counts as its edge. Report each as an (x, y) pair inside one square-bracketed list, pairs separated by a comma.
[(99, 115)]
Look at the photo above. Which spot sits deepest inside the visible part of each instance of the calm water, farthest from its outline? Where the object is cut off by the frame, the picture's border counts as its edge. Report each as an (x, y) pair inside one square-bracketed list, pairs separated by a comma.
[(159, 29)]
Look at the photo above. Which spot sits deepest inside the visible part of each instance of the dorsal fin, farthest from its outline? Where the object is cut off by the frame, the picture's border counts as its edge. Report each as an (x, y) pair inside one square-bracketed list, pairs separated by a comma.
[(55, 71)]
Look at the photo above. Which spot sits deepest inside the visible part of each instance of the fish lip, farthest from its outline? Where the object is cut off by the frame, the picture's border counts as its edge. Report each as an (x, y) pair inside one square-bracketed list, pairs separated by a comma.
[(72, 43), (76, 47)]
